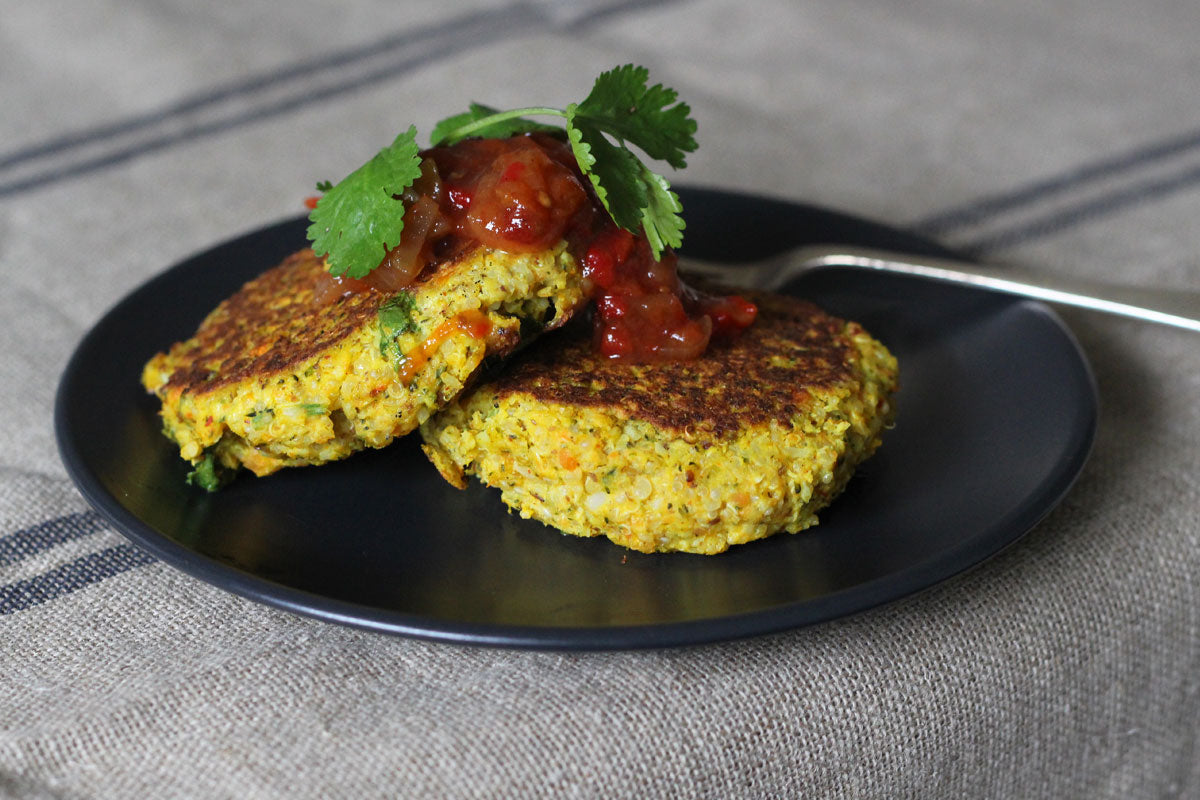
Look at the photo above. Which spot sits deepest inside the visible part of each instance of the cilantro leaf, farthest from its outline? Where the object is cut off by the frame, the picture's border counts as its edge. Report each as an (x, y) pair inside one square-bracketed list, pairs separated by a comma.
[(356, 220), (209, 473), (499, 125), (396, 318), (661, 218), (615, 173), (621, 105)]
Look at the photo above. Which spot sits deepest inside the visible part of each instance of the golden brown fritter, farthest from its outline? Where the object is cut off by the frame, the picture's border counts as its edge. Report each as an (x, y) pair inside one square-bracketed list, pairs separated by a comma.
[(752, 438), (284, 373)]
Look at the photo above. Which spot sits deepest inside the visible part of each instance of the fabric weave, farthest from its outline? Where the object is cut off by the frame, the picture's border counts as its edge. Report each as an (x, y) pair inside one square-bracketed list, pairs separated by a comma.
[(1058, 135)]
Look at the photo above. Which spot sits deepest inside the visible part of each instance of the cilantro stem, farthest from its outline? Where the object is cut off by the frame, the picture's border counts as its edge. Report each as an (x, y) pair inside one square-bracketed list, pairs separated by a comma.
[(483, 122)]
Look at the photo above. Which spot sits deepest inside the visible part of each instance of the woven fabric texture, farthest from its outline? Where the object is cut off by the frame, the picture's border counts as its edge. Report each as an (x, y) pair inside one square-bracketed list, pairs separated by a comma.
[(1059, 135)]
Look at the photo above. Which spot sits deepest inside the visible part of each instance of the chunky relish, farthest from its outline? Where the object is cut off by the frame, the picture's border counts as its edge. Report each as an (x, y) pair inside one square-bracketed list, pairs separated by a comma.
[(644, 311), (525, 194)]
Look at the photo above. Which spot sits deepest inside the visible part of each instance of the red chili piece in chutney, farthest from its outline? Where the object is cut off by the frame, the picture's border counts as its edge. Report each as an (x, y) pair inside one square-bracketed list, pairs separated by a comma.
[(644, 312), (525, 194)]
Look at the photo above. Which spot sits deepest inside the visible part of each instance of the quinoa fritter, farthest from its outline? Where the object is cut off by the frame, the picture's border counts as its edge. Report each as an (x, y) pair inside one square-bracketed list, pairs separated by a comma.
[(754, 437), (279, 375)]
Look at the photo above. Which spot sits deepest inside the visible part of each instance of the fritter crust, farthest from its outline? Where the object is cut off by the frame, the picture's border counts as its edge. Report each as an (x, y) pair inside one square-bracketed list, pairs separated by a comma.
[(270, 325), (767, 373)]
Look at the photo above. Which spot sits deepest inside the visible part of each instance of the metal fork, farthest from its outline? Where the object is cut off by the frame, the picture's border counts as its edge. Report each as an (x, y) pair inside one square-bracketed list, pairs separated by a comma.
[(1177, 307)]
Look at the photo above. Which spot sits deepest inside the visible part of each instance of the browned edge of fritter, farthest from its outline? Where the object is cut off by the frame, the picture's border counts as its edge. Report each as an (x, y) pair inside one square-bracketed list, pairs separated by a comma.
[(277, 321), (763, 374)]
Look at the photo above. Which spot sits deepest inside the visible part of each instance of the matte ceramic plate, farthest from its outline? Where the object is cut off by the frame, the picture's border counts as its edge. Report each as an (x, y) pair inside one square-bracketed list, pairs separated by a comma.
[(996, 416)]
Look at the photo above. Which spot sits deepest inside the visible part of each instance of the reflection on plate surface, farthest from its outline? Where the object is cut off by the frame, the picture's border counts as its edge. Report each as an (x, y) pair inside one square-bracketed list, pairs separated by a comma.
[(996, 415)]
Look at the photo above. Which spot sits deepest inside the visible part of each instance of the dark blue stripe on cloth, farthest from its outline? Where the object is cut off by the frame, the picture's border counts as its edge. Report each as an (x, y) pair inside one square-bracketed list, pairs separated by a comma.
[(26, 542), (1080, 213), (305, 83), (71, 577), (1130, 161)]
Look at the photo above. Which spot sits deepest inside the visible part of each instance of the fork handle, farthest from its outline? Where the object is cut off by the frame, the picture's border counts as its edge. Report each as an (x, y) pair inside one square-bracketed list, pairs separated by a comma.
[(1177, 307)]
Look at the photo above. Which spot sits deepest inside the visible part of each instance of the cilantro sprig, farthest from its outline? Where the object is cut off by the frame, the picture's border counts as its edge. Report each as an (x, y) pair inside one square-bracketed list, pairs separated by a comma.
[(363, 214), (357, 219)]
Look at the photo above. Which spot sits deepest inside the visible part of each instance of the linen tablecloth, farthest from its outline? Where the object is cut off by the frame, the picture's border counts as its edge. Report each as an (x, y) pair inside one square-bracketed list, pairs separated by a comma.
[(1063, 136)]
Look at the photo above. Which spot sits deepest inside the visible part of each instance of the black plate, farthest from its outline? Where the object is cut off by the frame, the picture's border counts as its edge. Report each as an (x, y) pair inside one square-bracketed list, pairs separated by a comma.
[(996, 418)]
